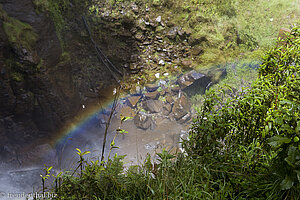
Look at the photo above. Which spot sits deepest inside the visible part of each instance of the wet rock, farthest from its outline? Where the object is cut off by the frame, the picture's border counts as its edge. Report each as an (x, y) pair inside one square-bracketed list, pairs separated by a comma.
[(162, 93), (172, 32), (197, 51), (187, 64), (193, 41), (181, 107), (147, 42), (44, 154), (153, 106), (151, 87), (183, 82), (169, 99), (166, 109), (185, 118), (193, 82), (158, 19), (127, 112), (152, 145), (133, 100), (152, 95), (28, 178), (175, 89), (142, 121), (161, 62), (140, 37), (134, 8)]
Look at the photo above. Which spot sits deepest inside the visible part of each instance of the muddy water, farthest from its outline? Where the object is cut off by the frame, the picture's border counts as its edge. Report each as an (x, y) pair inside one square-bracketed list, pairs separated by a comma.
[(137, 143)]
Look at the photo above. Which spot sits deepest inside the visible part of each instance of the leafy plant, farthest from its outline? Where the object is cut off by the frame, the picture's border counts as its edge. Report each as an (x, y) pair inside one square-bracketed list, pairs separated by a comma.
[(46, 176)]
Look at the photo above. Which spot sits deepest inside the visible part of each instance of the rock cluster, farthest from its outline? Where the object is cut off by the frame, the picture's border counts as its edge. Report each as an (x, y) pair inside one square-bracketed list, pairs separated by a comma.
[(163, 99), (162, 47)]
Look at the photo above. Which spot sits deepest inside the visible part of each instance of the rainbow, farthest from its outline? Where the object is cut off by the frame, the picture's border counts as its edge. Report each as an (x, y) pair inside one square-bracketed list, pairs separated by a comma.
[(86, 117)]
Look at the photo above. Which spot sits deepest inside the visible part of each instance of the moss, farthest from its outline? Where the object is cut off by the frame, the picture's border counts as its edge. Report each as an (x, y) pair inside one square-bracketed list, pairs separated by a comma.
[(56, 9), (16, 76), (19, 34)]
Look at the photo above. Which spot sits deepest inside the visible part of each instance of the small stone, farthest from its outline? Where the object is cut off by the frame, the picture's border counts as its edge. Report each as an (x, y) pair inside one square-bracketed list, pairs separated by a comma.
[(185, 84), (133, 100), (151, 87), (172, 33), (158, 19), (197, 51), (162, 82), (175, 89), (166, 109), (127, 112), (139, 37), (186, 63), (142, 121), (181, 107), (157, 75), (147, 42), (169, 99), (161, 62), (152, 95), (153, 106), (185, 118), (134, 8)]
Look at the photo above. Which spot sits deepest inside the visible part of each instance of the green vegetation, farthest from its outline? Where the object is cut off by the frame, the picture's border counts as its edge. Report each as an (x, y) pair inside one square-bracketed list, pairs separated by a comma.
[(243, 145), (20, 34), (57, 10)]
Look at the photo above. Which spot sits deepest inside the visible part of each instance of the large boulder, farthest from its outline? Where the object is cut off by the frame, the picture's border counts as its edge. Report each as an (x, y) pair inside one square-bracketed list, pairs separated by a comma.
[(194, 82)]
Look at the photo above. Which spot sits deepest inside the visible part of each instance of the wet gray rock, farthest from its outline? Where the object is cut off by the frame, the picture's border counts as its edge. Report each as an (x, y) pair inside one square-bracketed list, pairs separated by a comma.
[(153, 106)]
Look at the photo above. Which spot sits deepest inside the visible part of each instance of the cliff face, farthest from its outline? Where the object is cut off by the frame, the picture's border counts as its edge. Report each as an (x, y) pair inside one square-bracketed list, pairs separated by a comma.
[(43, 79), (33, 103)]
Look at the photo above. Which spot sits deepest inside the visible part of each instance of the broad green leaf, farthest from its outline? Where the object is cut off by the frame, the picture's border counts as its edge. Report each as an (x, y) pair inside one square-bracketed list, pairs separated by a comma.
[(287, 183), (277, 141), (292, 154), (298, 174), (86, 152), (78, 150)]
